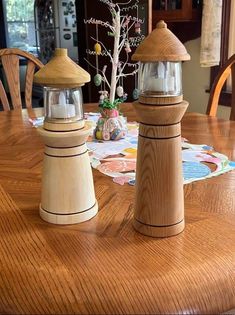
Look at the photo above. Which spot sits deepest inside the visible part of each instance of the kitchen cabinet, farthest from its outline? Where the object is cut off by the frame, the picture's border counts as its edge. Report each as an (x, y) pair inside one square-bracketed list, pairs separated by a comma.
[(183, 17), (176, 10)]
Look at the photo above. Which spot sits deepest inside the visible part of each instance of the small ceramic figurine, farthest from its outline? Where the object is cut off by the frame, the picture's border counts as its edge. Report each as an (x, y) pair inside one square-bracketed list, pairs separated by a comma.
[(110, 126)]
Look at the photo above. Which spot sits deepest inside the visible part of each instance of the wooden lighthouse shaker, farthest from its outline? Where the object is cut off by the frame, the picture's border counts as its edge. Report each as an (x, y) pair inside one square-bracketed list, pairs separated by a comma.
[(159, 197), (67, 183)]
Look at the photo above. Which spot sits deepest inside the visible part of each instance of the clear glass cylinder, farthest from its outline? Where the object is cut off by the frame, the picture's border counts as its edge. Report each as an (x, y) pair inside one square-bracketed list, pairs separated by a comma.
[(160, 79), (63, 105)]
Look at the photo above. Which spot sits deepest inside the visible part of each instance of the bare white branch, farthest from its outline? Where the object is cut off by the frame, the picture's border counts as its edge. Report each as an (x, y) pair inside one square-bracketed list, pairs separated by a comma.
[(104, 78), (106, 50), (99, 22), (122, 23)]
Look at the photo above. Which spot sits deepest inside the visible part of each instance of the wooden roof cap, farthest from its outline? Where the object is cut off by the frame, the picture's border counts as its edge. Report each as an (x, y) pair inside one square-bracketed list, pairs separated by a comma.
[(161, 45), (61, 71)]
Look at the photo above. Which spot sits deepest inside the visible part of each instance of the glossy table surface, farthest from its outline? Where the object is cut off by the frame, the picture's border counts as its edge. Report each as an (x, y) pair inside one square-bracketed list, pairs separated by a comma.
[(103, 266)]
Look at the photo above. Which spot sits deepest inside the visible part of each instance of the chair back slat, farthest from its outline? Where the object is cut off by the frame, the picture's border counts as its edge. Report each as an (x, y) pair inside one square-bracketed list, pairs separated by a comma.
[(232, 114), (9, 58), (3, 97), (29, 83), (12, 71), (213, 102)]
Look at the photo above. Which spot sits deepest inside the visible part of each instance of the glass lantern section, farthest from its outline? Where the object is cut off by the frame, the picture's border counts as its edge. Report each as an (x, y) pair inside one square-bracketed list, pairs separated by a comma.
[(63, 105), (160, 79)]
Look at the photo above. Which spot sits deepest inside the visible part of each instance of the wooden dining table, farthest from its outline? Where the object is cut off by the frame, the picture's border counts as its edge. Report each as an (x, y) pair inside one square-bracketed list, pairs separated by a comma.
[(103, 266)]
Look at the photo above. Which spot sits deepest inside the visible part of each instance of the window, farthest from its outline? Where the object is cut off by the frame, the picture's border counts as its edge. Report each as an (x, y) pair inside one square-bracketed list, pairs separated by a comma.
[(19, 24)]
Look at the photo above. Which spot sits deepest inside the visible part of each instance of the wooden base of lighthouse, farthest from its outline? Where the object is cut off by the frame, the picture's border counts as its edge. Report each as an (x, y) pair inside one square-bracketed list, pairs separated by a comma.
[(159, 197), (68, 195)]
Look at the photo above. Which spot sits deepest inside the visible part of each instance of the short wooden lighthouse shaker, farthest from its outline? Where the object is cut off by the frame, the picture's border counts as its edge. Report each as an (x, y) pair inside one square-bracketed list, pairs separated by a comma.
[(159, 197), (67, 184)]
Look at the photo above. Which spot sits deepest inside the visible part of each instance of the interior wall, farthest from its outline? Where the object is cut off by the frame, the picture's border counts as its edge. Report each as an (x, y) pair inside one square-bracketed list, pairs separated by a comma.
[(196, 81)]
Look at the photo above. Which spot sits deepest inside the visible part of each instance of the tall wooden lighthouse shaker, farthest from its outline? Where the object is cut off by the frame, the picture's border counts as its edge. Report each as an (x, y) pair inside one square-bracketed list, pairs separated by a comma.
[(159, 196)]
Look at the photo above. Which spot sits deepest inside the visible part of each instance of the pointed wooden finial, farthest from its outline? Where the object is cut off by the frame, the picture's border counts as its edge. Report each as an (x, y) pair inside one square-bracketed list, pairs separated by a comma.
[(61, 71), (161, 24), (161, 45)]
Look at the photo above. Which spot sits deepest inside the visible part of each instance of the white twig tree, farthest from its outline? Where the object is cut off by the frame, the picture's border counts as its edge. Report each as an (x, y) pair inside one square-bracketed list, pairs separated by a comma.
[(119, 29)]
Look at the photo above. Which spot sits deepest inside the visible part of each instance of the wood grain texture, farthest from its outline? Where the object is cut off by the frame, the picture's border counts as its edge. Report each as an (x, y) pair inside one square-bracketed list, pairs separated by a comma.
[(12, 70), (73, 124), (3, 97), (160, 45), (103, 266), (159, 196), (10, 60), (62, 72), (68, 195), (223, 74), (232, 114), (166, 100), (29, 83), (151, 131), (156, 115)]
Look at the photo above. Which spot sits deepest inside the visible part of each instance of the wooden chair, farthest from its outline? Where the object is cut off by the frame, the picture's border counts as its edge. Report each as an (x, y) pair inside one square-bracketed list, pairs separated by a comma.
[(10, 62), (227, 69)]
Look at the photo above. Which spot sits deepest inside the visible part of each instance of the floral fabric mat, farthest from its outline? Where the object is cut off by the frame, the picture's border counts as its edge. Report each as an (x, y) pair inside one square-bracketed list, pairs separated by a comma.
[(117, 159)]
